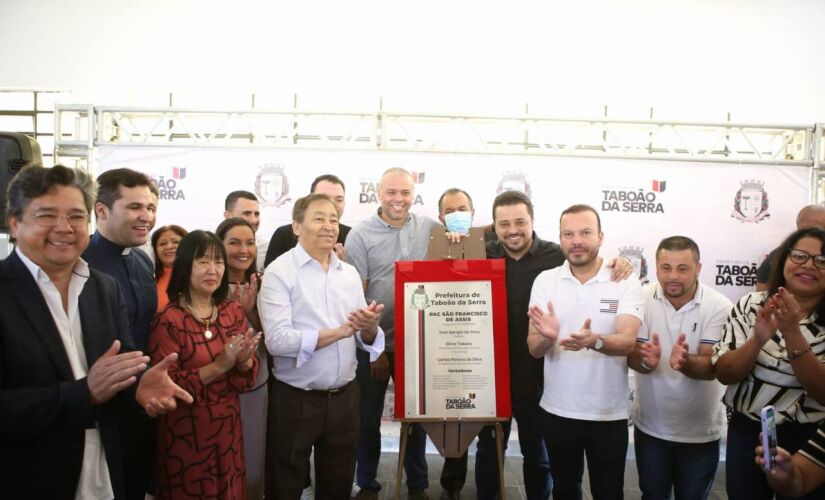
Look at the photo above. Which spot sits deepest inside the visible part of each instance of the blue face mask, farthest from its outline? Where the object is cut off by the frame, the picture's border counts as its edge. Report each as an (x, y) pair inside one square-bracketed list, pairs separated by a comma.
[(458, 222)]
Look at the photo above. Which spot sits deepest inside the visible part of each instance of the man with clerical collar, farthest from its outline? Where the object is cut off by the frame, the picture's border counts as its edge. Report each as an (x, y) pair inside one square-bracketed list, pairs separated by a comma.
[(125, 211), (315, 318), (583, 326), (68, 371)]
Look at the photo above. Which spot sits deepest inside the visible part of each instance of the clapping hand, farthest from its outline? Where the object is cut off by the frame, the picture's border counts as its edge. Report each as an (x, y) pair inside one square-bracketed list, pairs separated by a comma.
[(546, 323), (583, 339), (766, 321), (788, 313), (248, 344), (247, 296), (651, 352), (114, 371), (679, 353), (366, 318), (157, 393)]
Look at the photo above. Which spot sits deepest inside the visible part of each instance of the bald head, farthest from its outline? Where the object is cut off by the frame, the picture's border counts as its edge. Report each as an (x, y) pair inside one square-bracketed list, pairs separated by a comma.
[(396, 193), (396, 172), (811, 216)]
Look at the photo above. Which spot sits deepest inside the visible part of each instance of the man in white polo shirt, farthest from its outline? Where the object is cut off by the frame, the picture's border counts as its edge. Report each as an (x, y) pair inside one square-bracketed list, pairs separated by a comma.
[(585, 333), (677, 410)]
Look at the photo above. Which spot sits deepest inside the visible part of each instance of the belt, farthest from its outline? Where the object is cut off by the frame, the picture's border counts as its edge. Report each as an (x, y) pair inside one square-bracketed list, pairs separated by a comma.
[(327, 393)]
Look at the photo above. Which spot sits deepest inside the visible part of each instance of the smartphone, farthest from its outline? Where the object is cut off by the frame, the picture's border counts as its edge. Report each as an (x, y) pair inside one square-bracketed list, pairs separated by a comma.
[(768, 437)]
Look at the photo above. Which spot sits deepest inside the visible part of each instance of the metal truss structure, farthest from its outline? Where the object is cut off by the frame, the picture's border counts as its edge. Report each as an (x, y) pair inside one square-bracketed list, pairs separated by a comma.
[(79, 129)]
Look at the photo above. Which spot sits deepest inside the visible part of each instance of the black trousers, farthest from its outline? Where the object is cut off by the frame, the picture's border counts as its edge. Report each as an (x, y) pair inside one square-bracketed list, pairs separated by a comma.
[(302, 420), (603, 442)]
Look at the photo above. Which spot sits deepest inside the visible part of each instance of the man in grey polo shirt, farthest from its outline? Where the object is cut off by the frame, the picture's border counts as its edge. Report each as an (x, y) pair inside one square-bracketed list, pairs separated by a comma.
[(373, 246)]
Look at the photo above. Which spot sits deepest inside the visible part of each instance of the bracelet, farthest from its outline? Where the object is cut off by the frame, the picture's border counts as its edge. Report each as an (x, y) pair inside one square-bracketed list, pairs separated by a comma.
[(796, 353)]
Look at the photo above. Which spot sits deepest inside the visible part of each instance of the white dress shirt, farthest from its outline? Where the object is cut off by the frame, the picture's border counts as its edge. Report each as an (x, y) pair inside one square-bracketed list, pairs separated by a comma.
[(297, 300), (94, 479)]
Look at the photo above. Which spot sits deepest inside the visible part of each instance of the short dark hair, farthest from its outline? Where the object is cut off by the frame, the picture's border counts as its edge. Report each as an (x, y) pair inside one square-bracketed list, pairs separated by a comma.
[(34, 181), (454, 191), (512, 197), (159, 270), (299, 210), (777, 276), (679, 243), (224, 228), (333, 179), (233, 198), (579, 208), (194, 246), (109, 183)]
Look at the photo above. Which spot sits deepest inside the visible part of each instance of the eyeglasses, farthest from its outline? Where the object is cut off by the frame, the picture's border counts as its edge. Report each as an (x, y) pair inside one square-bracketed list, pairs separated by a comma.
[(801, 257), (76, 220)]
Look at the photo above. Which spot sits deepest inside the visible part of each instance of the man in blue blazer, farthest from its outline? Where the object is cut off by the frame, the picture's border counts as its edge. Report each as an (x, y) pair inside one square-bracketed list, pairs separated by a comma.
[(67, 368)]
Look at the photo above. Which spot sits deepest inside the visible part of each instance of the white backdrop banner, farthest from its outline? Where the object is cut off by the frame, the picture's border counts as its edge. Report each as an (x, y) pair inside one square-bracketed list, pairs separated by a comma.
[(736, 213)]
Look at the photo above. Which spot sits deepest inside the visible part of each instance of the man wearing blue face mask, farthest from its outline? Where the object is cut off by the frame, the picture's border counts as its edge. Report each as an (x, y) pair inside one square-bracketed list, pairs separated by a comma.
[(455, 211)]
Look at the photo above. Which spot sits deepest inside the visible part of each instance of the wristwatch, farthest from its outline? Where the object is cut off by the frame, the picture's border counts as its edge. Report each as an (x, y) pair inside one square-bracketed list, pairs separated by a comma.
[(599, 344)]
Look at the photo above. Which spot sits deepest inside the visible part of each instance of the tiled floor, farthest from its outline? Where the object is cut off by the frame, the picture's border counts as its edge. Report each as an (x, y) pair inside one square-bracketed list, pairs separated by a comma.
[(514, 486)]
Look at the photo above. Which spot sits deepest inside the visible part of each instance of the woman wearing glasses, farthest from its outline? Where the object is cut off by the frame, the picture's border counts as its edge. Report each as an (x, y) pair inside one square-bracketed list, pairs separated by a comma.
[(773, 353)]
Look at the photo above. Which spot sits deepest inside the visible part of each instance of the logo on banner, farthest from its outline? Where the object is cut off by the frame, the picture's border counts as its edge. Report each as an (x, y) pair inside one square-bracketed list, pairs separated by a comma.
[(735, 273), (369, 190), (751, 202), (272, 185), (634, 200), (636, 257), (659, 186), (168, 188), (460, 403), (514, 181)]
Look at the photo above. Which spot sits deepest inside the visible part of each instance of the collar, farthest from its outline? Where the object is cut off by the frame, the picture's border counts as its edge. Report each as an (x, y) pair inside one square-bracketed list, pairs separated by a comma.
[(81, 268), (382, 222), (565, 272), (302, 258), (108, 246)]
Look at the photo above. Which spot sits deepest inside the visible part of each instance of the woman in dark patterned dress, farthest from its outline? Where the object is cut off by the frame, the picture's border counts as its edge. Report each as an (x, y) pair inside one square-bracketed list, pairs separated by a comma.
[(200, 446)]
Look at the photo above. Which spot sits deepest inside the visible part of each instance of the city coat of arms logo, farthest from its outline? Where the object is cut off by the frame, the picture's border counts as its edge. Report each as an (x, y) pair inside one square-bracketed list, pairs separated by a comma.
[(272, 185), (514, 181), (751, 202), (637, 258)]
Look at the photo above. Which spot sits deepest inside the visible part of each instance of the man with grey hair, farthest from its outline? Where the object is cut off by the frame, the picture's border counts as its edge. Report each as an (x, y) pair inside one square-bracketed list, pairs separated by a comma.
[(809, 216), (68, 371), (373, 246), (315, 319)]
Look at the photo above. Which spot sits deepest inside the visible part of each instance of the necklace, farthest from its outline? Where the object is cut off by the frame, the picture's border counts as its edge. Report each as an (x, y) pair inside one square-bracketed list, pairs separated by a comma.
[(207, 322)]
